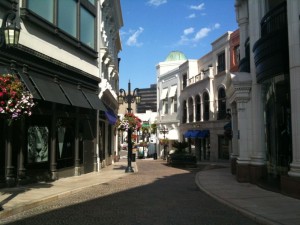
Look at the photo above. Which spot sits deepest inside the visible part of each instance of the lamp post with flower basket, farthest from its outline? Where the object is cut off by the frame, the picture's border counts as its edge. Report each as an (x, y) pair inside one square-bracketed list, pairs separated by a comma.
[(164, 131), (130, 122)]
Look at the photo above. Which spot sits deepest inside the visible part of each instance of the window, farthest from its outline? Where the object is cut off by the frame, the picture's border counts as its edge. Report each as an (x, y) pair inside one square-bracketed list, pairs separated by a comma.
[(198, 108), (87, 28), (221, 62), (236, 51), (74, 17), (191, 110), (206, 106), (37, 144), (166, 106), (221, 104), (174, 104), (67, 18), (184, 112), (43, 8), (184, 81)]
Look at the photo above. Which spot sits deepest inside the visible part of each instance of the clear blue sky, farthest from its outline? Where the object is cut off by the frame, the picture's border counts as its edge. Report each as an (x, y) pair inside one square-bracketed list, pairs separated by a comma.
[(154, 28)]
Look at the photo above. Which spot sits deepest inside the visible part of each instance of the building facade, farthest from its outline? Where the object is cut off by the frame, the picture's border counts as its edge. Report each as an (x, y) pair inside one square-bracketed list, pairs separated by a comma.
[(204, 113), (263, 94), (58, 60), (148, 99)]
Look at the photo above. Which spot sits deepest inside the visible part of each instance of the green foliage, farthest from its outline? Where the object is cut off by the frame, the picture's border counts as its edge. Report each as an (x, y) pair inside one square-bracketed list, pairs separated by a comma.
[(180, 146)]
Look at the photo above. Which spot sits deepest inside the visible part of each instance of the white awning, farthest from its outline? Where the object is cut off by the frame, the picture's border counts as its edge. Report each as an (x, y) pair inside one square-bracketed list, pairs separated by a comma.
[(173, 91), (164, 94)]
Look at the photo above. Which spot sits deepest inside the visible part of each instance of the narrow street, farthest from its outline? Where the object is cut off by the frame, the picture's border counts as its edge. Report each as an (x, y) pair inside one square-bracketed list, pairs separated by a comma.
[(156, 194)]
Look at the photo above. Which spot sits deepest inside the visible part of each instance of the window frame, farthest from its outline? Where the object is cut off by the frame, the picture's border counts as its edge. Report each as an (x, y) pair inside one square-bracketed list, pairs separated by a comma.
[(27, 14)]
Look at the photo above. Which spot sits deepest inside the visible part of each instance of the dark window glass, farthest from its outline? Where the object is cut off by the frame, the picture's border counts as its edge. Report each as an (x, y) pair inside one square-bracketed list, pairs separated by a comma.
[(87, 28), (43, 8), (67, 16), (198, 108), (221, 62), (184, 113), (206, 106), (191, 110), (221, 104), (184, 81)]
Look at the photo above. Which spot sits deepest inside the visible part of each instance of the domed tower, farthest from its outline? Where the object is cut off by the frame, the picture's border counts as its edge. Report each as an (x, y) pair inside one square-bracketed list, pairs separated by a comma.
[(175, 56)]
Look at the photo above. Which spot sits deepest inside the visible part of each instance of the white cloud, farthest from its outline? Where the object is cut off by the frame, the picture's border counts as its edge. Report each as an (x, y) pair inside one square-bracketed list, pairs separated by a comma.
[(191, 16), (188, 31), (203, 32), (217, 26), (156, 2), (187, 39), (133, 39), (197, 7)]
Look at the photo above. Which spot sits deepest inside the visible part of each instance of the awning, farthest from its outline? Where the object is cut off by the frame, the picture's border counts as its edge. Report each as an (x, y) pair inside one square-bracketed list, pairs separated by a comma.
[(164, 94), (48, 89), (196, 134), (111, 116), (29, 85), (172, 91), (75, 95), (94, 100)]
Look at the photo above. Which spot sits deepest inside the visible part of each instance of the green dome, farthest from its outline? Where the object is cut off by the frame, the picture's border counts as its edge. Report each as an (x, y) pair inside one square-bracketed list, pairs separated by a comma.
[(175, 56)]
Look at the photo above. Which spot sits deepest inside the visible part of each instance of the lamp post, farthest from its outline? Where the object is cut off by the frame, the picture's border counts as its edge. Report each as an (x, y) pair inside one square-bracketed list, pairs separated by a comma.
[(164, 131), (129, 98), (9, 32)]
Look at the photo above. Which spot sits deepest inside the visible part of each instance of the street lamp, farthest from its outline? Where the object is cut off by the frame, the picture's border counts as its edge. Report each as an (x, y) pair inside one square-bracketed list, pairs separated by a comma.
[(164, 131), (129, 98), (9, 32)]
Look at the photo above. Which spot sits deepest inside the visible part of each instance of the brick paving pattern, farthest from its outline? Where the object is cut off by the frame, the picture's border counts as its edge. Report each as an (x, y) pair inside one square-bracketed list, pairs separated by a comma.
[(156, 195)]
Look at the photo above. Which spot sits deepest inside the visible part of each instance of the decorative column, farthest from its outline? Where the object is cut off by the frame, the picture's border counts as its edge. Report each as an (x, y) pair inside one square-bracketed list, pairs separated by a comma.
[(234, 140), (21, 159), (10, 169), (77, 137), (294, 53), (243, 159), (53, 164), (258, 168)]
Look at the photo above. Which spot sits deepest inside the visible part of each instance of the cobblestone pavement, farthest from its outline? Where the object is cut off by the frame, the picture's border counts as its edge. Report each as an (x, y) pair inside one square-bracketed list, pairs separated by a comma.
[(156, 195)]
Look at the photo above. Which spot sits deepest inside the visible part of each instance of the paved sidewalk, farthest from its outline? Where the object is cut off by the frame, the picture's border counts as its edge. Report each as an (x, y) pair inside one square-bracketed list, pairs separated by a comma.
[(263, 206), (18, 199)]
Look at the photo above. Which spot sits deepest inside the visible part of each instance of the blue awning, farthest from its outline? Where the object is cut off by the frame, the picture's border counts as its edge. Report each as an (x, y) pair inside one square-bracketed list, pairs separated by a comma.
[(196, 134), (111, 117)]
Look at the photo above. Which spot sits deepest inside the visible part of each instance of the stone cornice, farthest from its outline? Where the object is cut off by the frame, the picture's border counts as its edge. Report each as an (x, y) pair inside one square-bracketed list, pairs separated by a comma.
[(238, 87)]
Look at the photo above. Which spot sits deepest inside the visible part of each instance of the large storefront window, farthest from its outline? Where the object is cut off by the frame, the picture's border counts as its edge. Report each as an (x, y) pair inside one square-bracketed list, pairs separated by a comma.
[(67, 18), (65, 142), (278, 127), (43, 8), (38, 144)]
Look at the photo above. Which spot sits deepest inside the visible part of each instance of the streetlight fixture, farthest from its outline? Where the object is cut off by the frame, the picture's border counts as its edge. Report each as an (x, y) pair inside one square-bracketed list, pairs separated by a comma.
[(164, 131), (9, 32), (129, 98)]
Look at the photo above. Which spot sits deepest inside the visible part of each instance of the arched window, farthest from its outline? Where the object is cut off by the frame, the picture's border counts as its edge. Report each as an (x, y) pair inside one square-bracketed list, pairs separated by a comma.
[(184, 112), (221, 104), (198, 108), (205, 106), (191, 110)]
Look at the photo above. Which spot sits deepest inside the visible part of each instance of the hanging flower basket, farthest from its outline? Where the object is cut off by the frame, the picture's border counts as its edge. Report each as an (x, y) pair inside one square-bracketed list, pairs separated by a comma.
[(129, 121), (15, 100), (163, 141)]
